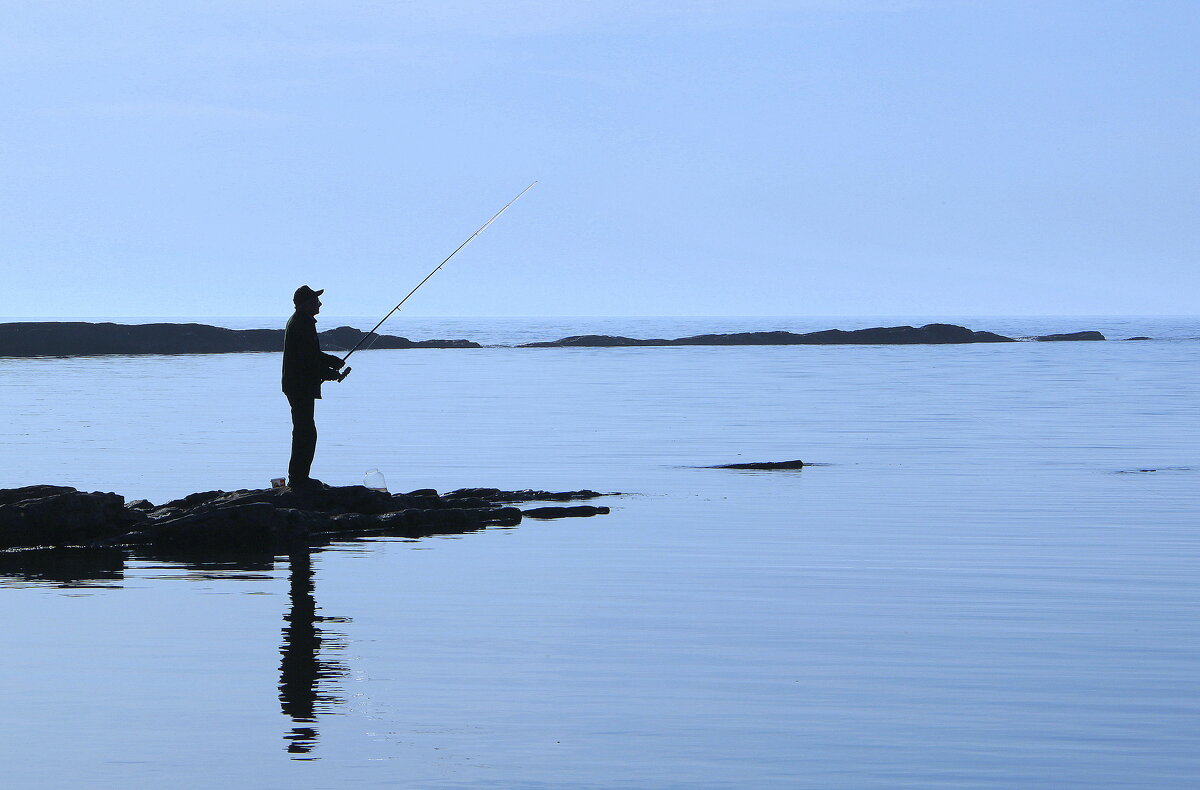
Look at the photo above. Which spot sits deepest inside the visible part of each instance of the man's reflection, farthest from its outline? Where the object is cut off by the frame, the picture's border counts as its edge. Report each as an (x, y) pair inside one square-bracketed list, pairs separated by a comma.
[(302, 671)]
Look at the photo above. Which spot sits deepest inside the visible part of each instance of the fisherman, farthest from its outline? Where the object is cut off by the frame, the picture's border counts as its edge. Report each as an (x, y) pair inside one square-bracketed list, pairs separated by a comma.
[(305, 367)]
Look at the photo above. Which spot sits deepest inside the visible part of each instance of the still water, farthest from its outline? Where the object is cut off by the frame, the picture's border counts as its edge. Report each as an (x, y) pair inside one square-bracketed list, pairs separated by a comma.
[(976, 586)]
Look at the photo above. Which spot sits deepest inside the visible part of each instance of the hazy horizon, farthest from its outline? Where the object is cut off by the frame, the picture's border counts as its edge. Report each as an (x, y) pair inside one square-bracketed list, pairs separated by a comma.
[(325, 318)]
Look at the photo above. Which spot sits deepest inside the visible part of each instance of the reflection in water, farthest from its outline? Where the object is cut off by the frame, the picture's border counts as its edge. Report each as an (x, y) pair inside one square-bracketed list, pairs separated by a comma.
[(305, 678), (65, 567), (302, 672)]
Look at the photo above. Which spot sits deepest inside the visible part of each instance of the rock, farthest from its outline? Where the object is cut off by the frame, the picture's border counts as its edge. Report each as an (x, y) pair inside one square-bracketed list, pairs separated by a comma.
[(1092, 335), (473, 493), (258, 521), (503, 517), (79, 338), (334, 499), (414, 523), (192, 500), (564, 512), (351, 524), (545, 496), (9, 496), (763, 465), (60, 516), (1139, 337), (253, 525)]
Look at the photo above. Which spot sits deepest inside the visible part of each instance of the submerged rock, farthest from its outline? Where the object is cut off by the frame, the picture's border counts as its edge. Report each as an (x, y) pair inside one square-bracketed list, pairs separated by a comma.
[(257, 520), (1091, 335), (762, 465), (565, 512), (526, 495)]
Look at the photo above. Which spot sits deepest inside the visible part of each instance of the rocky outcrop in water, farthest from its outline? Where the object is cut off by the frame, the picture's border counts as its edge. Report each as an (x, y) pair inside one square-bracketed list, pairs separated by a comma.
[(564, 512), (80, 338), (762, 465), (60, 516), (890, 335), (262, 520), (1070, 336)]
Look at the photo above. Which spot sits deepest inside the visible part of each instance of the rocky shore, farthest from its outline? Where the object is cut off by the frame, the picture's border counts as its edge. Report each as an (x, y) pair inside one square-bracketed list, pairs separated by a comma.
[(272, 520), (79, 338)]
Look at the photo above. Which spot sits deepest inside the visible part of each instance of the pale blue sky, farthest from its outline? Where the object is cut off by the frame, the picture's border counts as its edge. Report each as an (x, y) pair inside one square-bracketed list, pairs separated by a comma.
[(695, 158)]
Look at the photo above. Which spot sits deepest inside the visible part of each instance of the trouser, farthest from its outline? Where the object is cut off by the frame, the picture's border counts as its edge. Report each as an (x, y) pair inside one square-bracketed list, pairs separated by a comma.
[(304, 437)]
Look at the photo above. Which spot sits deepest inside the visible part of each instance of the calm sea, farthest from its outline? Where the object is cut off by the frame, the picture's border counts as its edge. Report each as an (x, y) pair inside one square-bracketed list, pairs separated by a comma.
[(988, 578)]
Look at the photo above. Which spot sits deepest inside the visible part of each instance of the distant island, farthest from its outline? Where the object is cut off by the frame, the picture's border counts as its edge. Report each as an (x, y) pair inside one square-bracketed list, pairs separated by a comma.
[(881, 335), (81, 338)]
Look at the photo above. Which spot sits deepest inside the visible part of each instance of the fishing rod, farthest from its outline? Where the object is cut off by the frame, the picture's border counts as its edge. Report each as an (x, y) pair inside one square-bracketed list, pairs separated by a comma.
[(482, 228)]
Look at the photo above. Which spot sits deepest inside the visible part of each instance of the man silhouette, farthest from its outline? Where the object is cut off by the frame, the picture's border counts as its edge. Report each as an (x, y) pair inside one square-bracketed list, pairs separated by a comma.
[(305, 367)]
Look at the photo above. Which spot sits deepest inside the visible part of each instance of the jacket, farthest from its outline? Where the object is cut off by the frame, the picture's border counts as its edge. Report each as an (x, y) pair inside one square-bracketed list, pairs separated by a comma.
[(305, 366)]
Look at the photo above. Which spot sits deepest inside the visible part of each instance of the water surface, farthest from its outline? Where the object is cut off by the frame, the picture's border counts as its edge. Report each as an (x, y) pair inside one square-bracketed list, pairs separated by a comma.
[(978, 588)]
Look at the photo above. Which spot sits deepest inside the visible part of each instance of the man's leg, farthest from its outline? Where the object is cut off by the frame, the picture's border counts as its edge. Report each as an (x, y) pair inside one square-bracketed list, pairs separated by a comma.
[(304, 437)]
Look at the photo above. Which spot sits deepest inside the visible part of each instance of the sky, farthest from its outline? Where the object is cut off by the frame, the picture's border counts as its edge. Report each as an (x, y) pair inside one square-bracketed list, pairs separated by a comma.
[(811, 157)]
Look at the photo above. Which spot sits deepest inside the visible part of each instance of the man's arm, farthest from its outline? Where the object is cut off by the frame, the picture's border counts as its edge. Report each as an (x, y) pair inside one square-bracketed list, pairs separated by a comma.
[(303, 345), (329, 366)]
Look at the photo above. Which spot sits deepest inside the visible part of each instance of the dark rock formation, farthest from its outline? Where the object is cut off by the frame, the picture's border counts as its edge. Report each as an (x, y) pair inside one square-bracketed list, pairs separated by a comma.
[(1139, 337), (61, 516), (527, 495), (892, 335), (79, 338), (564, 512), (266, 521), (763, 465), (1071, 336)]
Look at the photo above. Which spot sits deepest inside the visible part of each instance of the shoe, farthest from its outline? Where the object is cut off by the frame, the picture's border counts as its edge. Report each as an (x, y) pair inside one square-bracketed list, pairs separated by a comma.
[(309, 483)]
